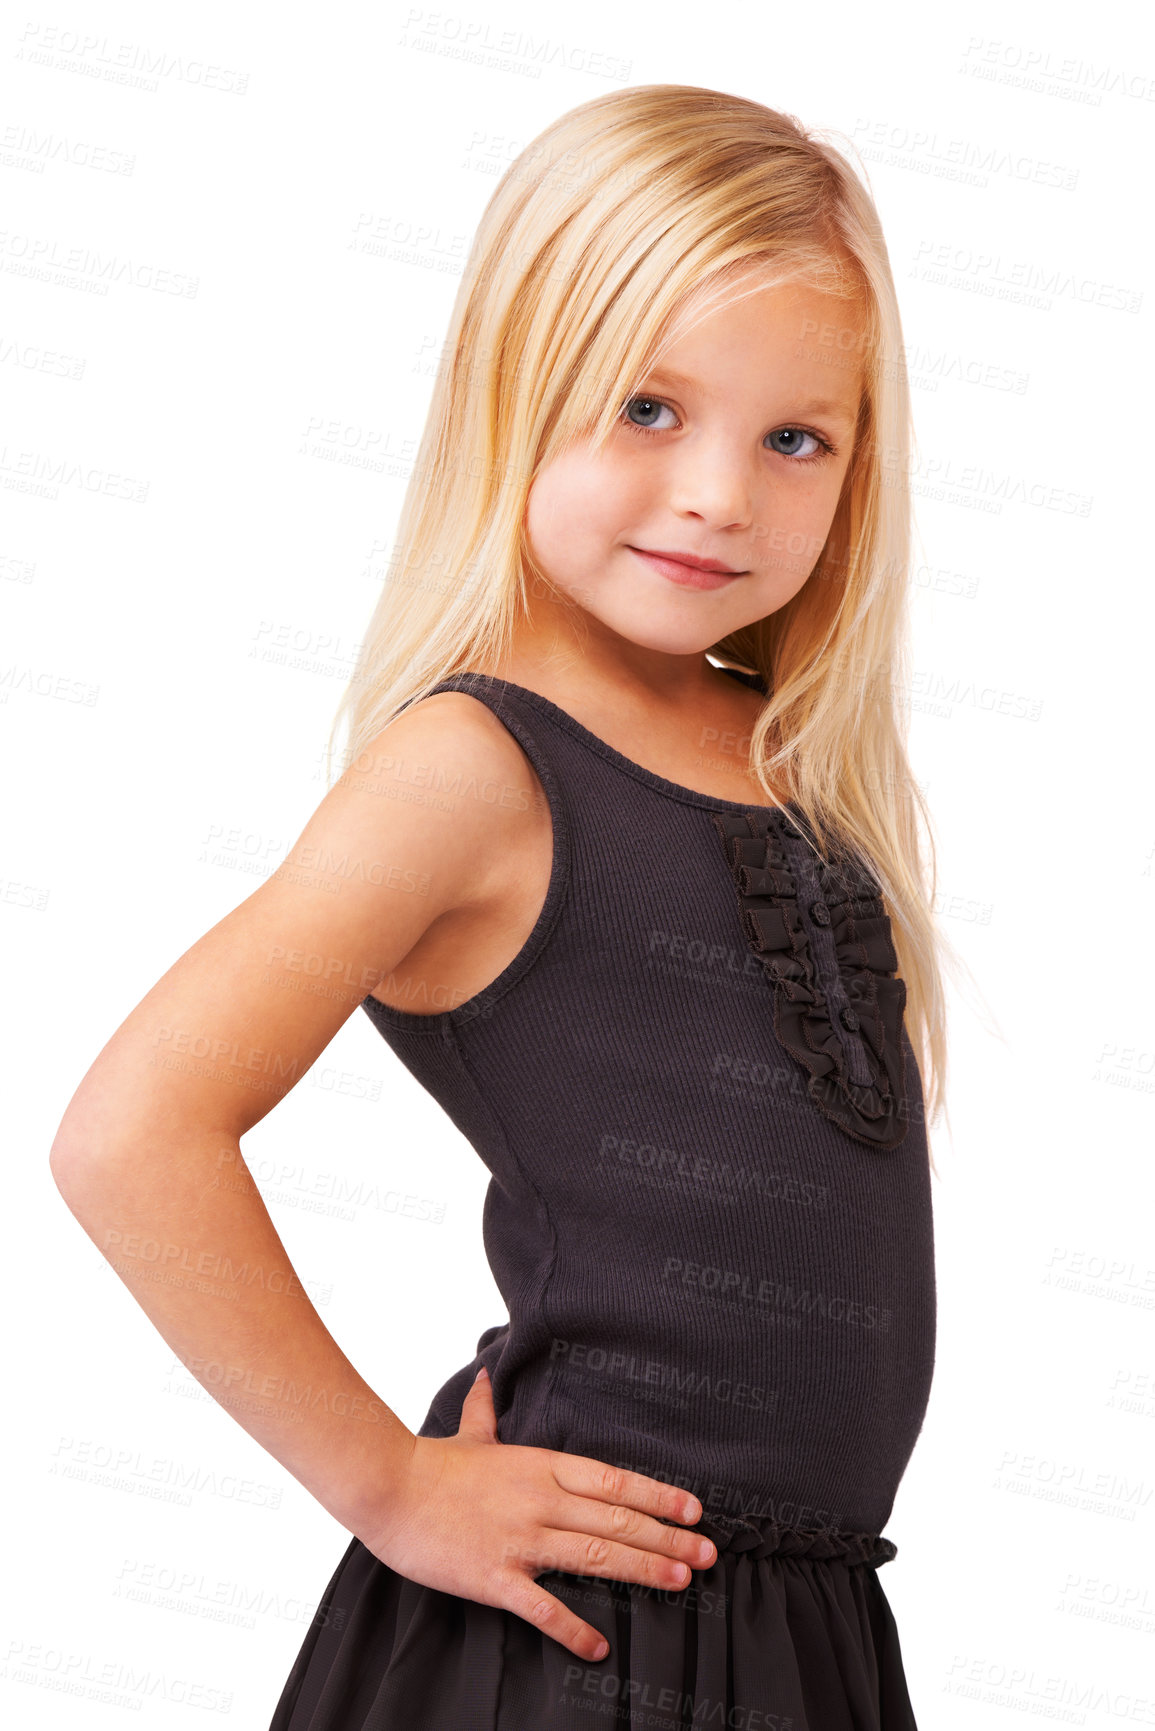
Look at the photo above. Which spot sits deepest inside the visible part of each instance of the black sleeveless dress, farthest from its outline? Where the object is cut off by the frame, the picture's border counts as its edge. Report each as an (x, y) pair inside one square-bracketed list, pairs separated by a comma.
[(710, 1221)]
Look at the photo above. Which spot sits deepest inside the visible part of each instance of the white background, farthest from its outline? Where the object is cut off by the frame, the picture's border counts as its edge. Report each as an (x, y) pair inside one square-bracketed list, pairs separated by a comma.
[(159, 761)]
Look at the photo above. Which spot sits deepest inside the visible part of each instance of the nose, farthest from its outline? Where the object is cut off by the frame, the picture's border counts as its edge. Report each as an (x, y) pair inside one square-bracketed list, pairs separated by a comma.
[(713, 481)]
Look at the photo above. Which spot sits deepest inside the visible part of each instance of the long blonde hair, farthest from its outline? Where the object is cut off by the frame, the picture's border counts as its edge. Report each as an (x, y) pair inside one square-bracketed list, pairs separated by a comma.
[(595, 239)]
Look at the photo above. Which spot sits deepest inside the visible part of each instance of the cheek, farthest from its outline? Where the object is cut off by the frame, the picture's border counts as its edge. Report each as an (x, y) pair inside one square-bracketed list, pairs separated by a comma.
[(802, 507), (791, 525), (571, 505)]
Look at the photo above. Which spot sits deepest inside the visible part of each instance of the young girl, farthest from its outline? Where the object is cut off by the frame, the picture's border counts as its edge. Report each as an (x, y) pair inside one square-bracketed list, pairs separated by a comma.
[(647, 915)]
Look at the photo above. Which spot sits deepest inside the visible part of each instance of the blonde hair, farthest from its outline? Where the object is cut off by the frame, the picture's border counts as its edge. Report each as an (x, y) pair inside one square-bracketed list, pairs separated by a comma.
[(595, 241)]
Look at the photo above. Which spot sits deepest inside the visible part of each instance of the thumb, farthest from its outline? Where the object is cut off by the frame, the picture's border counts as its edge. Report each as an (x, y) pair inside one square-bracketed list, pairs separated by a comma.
[(478, 1418)]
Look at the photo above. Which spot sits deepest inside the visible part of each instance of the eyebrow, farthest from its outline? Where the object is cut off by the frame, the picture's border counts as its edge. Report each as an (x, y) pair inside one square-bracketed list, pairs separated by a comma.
[(815, 406)]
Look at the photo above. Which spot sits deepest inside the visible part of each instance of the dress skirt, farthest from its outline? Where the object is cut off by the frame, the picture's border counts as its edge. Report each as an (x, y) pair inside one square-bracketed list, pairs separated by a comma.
[(788, 1630)]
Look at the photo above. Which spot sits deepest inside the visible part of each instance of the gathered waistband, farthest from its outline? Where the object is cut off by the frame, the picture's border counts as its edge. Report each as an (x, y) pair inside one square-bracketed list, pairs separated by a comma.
[(758, 1536)]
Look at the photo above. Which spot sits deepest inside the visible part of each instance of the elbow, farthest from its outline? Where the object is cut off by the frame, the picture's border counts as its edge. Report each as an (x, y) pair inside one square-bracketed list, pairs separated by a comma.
[(75, 1168), (61, 1160), (64, 1162)]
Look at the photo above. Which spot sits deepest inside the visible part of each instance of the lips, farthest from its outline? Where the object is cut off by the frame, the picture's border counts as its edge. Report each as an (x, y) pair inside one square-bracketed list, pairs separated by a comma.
[(687, 570), (691, 559)]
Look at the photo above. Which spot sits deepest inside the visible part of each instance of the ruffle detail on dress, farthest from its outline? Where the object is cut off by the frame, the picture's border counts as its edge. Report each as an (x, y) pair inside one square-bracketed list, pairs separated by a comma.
[(758, 1538), (822, 933)]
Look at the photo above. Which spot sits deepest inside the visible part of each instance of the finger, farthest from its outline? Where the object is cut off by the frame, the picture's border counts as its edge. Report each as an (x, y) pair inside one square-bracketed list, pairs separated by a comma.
[(587, 1477), (577, 1553), (555, 1619), (478, 1417), (588, 1516)]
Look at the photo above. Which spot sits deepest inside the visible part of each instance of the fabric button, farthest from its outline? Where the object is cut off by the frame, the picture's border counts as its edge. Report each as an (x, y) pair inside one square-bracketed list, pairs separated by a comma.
[(820, 913), (850, 1021)]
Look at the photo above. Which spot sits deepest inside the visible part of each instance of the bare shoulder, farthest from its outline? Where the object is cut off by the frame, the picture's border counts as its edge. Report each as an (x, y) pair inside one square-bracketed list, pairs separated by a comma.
[(469, 790), (421, 842), (446, 791), (452, 745)]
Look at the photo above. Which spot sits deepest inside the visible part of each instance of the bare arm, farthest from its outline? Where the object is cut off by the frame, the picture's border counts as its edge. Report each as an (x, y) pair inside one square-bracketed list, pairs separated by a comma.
[(148, 1159), (148, 1154)]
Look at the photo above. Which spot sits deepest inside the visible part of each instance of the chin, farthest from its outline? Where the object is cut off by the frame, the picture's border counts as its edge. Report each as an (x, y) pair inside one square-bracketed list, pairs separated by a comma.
[(650, 628)]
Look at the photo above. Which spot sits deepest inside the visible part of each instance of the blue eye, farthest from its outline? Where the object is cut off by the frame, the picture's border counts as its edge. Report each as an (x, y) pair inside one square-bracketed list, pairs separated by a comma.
[(649, 408), (797, 433)]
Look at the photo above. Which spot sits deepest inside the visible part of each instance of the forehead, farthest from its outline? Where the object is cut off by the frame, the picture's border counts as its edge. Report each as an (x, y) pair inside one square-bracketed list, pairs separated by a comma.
[(783, 312), (814, 339)]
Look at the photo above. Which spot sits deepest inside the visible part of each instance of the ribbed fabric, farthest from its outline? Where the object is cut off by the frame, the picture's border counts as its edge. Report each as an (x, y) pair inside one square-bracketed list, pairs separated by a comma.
[(709, 1279)]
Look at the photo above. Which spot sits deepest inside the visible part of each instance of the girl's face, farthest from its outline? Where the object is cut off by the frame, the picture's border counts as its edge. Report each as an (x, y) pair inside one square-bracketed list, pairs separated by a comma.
[(733, 452)]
